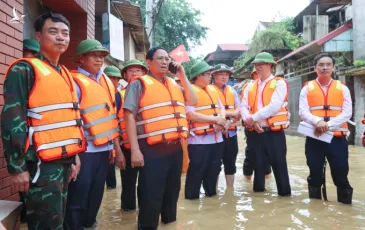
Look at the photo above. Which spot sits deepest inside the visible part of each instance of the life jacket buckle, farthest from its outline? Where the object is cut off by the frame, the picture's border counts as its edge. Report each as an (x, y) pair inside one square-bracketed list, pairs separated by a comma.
[(107, 106), (211, 126), (177, 115), (215, 114), (213, 106), (75, 105), (79, 122), (174, 103), (326, 107), (180, 129), (226, 106), (326, 119)]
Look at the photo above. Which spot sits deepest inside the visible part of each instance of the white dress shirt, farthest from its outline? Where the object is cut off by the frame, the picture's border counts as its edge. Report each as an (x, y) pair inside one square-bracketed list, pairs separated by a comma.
[(276, 102), (306, 115)]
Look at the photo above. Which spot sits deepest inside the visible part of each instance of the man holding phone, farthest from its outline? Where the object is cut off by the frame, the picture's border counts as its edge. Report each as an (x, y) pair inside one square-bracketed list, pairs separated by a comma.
[(155, 116)]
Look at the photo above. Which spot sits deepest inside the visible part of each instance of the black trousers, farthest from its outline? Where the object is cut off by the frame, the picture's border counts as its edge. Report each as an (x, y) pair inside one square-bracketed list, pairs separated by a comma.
[(111, 180), (159, 183), (248, 163), (230, 154), (272, 146), (337, 155), (86, 193), (204, 167), (129, 181)]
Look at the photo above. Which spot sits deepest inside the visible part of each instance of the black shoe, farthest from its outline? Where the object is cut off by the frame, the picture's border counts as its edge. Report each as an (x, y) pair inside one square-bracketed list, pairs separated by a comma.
[(94, 225), (344, 195), (111, 187), (314, 192)]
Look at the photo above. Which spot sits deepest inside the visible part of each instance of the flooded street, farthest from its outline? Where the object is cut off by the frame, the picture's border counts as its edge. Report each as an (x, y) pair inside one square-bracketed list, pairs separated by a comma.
[(243, 209)]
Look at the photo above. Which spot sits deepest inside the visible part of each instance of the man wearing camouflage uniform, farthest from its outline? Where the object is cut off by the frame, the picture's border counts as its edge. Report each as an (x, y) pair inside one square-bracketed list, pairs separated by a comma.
[(44, 183)]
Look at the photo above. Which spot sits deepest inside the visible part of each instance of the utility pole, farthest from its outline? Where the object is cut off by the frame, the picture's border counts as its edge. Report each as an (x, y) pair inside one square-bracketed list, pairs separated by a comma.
[(149, 20)]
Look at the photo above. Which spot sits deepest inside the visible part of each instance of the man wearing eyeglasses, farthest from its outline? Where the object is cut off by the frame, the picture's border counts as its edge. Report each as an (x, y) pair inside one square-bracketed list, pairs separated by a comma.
[(155, 116), (96, 95)]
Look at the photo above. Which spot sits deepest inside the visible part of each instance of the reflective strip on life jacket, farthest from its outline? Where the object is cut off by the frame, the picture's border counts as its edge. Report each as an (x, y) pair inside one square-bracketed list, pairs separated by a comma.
[(324, 107), (163, 131), (95, 108), (212, 106), (101, 135), (177, 115), (99, 121), (32, 129), (162, 104)]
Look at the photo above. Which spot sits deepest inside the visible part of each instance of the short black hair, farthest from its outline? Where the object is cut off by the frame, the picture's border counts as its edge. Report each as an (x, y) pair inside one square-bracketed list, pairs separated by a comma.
[(152, 51), (322, 55), (39, 22)]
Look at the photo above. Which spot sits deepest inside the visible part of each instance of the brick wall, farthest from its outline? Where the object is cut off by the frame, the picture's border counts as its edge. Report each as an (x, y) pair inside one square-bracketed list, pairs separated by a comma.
[(11, 37)]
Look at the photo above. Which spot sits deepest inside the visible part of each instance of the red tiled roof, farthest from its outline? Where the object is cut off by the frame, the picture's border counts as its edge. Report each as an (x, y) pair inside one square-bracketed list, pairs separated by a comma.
[(233, 47), (319, 41)]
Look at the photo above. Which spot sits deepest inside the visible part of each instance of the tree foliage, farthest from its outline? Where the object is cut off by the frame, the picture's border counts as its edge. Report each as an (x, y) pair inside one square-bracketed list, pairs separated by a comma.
[(193, 61), (177, 23), (278, 35)]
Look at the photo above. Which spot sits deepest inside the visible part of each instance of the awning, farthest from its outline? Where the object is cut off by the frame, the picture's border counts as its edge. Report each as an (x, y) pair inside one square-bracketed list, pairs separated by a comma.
[(131, 15), (315, 46)]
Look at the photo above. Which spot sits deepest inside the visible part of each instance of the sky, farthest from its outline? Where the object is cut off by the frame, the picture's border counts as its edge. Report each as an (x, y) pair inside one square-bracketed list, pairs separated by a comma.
[(235, 21)]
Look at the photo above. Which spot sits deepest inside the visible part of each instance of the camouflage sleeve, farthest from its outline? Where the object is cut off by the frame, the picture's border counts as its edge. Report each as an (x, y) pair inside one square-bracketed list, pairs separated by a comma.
[(13, 118)]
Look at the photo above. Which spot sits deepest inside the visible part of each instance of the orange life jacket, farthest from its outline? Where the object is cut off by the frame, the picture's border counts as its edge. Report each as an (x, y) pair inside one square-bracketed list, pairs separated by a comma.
[(278, 121), (162, 108), (53, 116), (98, 108), (122, 125), (327, 106), (207, 105), (243, 89), (227, 98)]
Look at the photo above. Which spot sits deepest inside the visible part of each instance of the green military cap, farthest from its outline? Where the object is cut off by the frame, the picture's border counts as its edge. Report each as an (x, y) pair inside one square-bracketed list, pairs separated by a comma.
[(31, 44), (133, 63), (222, 68), (264, 57), (112, 71), (199, 68), (90, 45)]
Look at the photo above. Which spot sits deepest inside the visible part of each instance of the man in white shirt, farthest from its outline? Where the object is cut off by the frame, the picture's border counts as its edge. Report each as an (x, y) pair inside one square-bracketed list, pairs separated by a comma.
[(265, 112), (326, 104)]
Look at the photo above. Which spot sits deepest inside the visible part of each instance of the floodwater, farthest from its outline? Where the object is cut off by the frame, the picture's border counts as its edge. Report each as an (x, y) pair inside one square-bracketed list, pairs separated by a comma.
[(241, 208)]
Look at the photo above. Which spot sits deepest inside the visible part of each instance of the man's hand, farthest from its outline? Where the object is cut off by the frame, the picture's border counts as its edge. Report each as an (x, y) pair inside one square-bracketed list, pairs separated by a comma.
[(249, 122), (180, 71), (258, 127), (120, 159), (137, 158), (220, 120), (363, 139), (227, 124), (75, 169), (321, 128), (20, 181), (111, 156)]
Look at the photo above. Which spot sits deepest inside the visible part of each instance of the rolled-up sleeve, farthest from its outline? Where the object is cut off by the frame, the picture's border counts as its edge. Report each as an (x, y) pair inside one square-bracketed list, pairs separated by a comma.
[(132, 97)]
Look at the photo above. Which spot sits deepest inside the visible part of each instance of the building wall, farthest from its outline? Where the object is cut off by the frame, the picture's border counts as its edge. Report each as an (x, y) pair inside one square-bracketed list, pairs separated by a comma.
[(11, 36), (129, 45), (359, 108)]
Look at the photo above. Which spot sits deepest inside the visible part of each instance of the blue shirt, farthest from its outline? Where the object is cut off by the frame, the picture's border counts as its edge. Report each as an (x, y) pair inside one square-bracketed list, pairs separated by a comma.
[(90, 145)]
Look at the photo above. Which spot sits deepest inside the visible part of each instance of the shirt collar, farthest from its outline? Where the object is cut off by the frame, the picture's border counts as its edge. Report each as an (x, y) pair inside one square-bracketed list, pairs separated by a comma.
[(267, 79), (43, 58), (84, 72), (324, 85)]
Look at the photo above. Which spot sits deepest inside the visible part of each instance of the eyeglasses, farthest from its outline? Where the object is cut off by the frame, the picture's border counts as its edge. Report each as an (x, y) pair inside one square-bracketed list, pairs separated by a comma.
[(162, 58), (134, 71)]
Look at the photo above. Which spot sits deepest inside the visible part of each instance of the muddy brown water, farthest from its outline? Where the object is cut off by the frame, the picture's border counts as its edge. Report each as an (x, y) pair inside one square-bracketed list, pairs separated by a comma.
[(241, 208)]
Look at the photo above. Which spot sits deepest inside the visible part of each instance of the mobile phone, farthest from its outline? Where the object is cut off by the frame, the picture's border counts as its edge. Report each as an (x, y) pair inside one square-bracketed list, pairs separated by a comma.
[(172, 68)]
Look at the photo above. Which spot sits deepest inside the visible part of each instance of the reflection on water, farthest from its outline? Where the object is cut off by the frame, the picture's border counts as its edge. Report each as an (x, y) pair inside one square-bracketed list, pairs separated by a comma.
[(240, 208)]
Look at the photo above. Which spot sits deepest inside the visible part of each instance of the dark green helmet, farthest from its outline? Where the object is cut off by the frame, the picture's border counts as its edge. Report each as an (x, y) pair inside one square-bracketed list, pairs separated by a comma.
[(31, 44)]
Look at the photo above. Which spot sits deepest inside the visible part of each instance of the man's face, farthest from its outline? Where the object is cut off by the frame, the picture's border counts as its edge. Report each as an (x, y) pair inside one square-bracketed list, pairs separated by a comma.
[(54, 38), (133, 71), (205, 78), (221, 78), (160, 63), (324, 67), (92, 61), (28, 53), (263, 69)]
